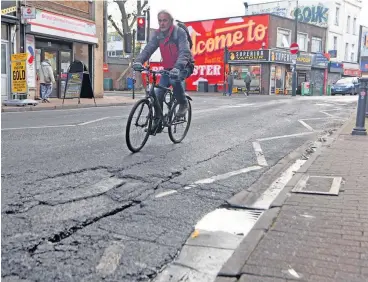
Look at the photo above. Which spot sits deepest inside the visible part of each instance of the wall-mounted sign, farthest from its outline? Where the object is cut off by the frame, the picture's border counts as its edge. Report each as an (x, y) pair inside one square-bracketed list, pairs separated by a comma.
[(285, 57), (28, 13), (333, 53), (336, 67), (9, 8), (319, 60), (364, 64), (63, 26), (244, 56), (352, 72)]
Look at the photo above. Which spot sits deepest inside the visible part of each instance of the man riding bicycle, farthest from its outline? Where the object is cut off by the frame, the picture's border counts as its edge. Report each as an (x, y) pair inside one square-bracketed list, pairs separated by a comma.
[(176, 58)]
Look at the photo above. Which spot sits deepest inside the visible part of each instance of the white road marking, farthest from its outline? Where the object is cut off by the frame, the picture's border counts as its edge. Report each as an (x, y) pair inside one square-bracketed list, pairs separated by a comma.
[(285, 136), (227, 175), (327, 114), (267, 197), (230, 221), (38, 127), (259, 154), (92, 121), (166, 193), (110, 259), (293, 273), (306, 125)]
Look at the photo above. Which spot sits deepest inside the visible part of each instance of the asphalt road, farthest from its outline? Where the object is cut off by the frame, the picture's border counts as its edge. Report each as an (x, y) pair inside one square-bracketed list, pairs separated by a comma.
[(78, 206)]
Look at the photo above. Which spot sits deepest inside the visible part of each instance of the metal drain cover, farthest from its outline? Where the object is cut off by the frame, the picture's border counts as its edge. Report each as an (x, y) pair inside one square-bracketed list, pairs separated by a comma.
[(324, 185)]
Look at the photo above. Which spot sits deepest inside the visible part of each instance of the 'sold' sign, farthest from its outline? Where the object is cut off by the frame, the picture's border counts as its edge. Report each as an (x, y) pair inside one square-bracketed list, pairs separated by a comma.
[(18, 72)]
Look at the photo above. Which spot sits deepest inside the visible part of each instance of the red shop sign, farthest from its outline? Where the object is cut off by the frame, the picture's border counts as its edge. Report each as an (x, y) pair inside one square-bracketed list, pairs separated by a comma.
[(352, 72)]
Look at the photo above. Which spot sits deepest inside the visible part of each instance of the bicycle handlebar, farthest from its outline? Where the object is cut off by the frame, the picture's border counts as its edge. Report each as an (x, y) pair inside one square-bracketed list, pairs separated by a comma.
[(153, 71)]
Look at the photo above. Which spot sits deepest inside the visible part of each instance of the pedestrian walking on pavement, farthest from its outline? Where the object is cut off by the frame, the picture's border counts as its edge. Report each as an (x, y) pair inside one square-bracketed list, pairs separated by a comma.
[(46, 80), (247, 80), (230, 83)]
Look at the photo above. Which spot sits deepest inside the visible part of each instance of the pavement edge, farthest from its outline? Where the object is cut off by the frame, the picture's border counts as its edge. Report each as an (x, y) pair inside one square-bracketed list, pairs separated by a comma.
[(58, 107), (232, 267)]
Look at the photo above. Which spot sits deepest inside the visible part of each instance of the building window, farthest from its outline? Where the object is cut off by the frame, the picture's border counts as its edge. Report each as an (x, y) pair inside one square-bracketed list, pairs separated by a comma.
[(355, 26), (283, 38), (348, 25), (316, 45), (346, 51), (4, 32), (337, 16), (352, 54), (303, 41), (334, 43)]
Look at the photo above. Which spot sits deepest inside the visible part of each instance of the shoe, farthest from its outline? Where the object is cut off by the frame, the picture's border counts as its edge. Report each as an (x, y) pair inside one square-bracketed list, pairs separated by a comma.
[(183, 108)]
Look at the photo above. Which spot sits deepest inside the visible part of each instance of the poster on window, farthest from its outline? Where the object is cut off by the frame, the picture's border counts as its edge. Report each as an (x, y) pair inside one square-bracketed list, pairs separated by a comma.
[(240, 72), (31, 70), (279, 80), (288, 82)]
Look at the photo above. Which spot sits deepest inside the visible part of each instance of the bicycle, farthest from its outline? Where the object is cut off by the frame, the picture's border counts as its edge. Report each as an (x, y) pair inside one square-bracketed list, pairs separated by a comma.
[(169, 119)]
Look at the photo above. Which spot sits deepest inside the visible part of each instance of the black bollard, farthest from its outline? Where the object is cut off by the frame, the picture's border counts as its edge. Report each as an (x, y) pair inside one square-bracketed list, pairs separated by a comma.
[(360, 119)]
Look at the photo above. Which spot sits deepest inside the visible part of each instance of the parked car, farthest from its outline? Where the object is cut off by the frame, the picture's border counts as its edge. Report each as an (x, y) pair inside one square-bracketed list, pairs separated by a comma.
[(346, 85)]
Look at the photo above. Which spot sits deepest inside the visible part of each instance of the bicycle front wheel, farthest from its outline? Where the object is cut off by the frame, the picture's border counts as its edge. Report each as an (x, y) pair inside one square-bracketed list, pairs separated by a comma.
[(179, 126), (138, 125)]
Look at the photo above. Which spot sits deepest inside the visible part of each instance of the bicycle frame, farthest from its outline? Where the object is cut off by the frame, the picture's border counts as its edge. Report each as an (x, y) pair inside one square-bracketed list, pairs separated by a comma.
[(156, 102)]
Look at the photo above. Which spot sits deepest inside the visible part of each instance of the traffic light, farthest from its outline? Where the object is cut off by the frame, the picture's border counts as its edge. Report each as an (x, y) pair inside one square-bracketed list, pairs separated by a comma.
[(141, 29)]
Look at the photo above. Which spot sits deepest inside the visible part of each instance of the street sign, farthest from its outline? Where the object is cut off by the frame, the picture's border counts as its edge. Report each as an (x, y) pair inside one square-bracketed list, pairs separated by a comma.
[(28, 13), (294, 57), (294, 48), (18, 72)]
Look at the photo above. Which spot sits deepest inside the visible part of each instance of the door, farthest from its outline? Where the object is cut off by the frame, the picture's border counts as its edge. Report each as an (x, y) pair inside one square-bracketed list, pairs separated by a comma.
[(52, 56), (65, 61), (5, 89)]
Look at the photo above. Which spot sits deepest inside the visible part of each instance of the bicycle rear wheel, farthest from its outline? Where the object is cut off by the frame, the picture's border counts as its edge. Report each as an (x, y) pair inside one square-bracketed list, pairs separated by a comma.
[(176, 124), (140, 118)]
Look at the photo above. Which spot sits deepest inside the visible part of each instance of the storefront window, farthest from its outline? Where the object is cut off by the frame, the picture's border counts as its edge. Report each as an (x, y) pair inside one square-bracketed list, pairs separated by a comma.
[(3, 58), (4, 32), (241, 71), (81, 52), (277, 79)]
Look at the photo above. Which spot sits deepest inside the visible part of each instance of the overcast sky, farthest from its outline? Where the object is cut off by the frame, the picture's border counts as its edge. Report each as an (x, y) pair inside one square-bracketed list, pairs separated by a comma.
[(189, 10)]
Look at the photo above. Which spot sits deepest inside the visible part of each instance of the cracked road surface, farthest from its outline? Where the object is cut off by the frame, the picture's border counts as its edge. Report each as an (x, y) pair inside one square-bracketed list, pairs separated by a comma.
[(77, 206)]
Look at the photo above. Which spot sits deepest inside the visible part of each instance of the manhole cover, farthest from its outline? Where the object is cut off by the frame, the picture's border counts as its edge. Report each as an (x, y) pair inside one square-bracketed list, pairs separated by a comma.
[(325, 185)]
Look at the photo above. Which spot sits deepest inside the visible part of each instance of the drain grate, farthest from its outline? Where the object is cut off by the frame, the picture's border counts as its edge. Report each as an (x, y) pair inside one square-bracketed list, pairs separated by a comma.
[(324, 185)]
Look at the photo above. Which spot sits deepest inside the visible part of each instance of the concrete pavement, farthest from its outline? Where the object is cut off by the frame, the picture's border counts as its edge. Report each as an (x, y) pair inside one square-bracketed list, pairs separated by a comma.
[(111, 98), (316, 230), (77, 206)]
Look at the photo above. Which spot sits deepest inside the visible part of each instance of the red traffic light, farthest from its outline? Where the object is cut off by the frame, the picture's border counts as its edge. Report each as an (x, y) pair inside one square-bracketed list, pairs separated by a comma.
[(141, 21)]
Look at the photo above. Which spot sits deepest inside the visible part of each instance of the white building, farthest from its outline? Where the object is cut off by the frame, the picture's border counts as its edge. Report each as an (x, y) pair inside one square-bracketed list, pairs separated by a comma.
[(342, 17)]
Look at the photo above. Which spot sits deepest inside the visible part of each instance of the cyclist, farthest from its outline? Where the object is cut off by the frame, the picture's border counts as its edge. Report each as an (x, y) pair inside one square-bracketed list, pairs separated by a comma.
[(176, 58)]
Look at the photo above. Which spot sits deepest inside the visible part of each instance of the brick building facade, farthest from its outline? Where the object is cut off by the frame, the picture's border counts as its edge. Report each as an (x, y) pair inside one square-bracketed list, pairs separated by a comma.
[(64, 31)]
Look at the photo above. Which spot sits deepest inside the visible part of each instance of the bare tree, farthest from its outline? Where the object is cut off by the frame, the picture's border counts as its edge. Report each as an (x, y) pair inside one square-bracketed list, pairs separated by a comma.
[(128, 21)]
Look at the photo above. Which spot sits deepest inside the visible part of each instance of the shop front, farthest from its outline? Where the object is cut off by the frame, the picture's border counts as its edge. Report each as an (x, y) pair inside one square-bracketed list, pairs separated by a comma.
[(252, 62), (319, 74), (281, 71), (61, 40), (8, 44)]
